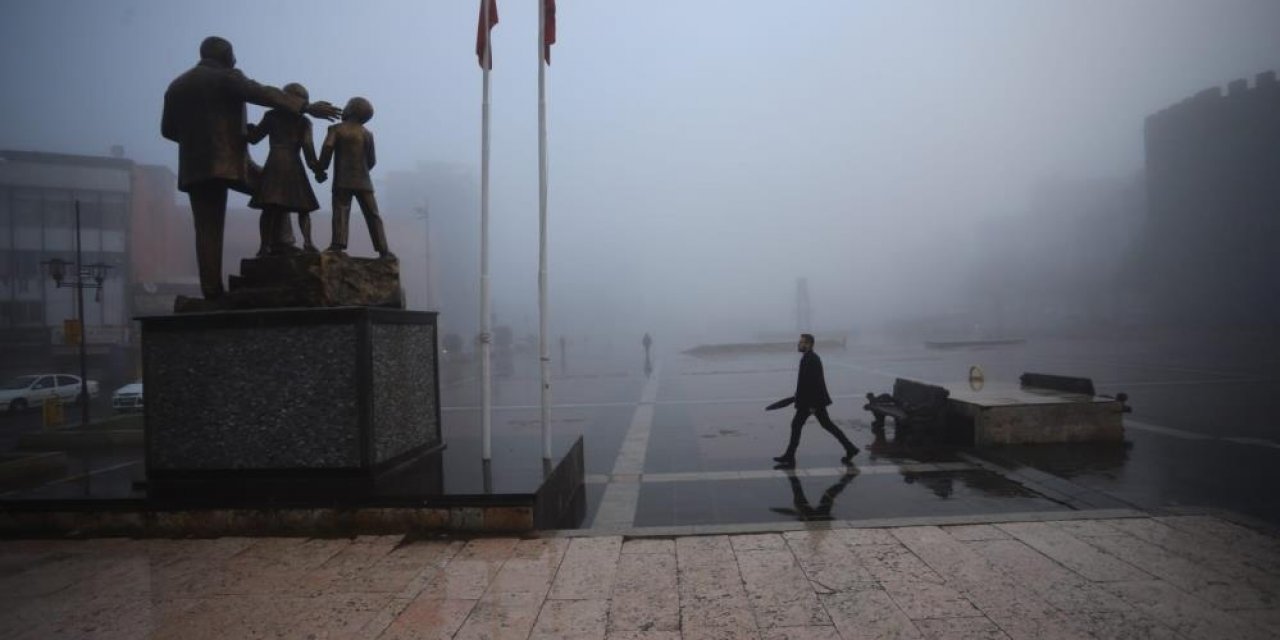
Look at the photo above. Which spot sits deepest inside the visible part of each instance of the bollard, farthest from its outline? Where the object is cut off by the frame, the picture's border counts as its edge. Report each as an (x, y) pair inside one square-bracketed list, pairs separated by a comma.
[(52, 412)]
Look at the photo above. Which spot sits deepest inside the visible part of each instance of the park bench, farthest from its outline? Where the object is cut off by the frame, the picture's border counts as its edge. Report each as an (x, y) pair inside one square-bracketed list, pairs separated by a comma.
[(913, 404), (1068, 384)]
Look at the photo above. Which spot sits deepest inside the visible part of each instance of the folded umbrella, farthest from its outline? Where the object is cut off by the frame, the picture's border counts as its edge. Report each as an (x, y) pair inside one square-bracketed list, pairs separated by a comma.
[(785, 402)]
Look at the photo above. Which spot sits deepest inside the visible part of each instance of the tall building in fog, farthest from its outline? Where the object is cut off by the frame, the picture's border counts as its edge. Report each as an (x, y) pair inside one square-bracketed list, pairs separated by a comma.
[(1213, 188)]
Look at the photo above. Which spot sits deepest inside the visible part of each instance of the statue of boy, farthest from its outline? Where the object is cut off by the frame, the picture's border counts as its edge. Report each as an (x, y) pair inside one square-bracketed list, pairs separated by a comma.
[(351, 147)]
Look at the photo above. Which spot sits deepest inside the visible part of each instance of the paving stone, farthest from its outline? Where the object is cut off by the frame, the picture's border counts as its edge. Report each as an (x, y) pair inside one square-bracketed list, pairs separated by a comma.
[(868, 614), (645, 593), (800, 633), (707, 567), (1187, 615), (758, 542), (1264, 619), (1057, 585), (1216, 556), (643, 635), (828, 562), (571, 620), (1200, 580), (1040, 624), (1084, 528), (713, 602), (649, 545), (587, 571), (779, 593), (104, 616), (467, 575), (531, 568), (1129, 624), (1072, 552), (429, 618), (235, 616), (866, 536), (501, 616), (972, 532), (919, 591), (1260, 550), (1019, 611), (341, 615), (961, 629)]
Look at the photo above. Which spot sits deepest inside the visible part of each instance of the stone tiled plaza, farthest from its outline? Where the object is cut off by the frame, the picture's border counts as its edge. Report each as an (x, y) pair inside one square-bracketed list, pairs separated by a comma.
[(1143, 577)]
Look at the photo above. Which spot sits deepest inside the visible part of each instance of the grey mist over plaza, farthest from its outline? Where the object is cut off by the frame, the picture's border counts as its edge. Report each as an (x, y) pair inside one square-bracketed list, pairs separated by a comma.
[(863, 319), (931, 163)]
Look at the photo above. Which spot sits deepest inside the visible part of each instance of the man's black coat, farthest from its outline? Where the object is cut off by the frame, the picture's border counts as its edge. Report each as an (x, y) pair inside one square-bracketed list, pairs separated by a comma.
[(811, 385)]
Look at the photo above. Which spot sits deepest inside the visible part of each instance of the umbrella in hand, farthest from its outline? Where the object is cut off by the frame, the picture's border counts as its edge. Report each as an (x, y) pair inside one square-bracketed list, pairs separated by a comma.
[(785, 402)]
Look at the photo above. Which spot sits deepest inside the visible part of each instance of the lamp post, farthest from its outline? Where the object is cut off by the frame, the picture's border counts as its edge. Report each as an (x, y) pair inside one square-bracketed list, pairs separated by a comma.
[(86, 276)]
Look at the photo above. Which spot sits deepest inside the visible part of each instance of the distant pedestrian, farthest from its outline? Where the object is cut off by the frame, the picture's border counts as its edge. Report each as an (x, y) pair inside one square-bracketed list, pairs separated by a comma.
[(812, 399), (648, 363)]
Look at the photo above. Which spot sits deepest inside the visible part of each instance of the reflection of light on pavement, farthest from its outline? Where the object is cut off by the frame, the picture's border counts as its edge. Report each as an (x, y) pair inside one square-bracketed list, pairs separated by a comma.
[(618, 506)]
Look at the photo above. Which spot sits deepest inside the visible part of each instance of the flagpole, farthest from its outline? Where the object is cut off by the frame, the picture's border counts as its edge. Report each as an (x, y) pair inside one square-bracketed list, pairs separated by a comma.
[(544, 357), (486, 383)]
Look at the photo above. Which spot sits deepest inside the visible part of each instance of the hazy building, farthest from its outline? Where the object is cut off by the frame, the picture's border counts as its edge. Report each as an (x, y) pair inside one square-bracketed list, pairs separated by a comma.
[(1213, 188), (1062, 267), (447, 196), (38, 192)]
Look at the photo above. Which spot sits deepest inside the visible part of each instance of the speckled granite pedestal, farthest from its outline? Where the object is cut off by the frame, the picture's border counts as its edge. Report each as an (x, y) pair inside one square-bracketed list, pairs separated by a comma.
[(287, 406)]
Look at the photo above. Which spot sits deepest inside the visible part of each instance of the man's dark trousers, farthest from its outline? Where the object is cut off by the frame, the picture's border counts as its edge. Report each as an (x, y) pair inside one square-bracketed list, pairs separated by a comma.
[(797, 424)]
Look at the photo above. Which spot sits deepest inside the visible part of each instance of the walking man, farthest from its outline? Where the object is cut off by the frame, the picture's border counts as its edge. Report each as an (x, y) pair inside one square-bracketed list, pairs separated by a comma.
[(812, 399)]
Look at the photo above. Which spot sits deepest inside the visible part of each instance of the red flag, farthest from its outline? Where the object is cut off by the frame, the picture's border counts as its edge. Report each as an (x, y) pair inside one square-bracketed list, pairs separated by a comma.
[(482, 32), (548, 28)]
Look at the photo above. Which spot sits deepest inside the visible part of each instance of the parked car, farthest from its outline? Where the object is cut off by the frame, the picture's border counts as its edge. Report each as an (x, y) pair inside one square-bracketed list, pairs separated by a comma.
[(31, 391), (128, 397)]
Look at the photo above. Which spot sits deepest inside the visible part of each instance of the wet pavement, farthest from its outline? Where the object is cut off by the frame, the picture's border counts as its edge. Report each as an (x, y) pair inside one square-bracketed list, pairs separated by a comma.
[(1191, 577), (690, 445)]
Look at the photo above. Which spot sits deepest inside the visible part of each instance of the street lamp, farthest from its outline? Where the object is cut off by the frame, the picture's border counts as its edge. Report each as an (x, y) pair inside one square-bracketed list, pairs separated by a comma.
[(85, 276)]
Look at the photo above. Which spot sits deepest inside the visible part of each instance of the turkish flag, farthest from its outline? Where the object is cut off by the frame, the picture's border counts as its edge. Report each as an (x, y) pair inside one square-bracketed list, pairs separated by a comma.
[(548, 28), (482, 32)]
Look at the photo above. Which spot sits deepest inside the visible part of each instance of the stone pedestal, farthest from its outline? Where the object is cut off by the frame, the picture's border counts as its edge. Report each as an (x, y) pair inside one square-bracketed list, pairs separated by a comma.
[(287, 404), (307, 280), (1005, 414)]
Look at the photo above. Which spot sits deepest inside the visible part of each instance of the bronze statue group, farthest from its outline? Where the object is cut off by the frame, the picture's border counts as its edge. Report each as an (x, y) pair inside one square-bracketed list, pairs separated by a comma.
[(204, 112)]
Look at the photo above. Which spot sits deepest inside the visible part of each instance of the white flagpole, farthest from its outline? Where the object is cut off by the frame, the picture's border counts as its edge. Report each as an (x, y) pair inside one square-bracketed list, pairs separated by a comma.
[(486, 383), (545, 356)]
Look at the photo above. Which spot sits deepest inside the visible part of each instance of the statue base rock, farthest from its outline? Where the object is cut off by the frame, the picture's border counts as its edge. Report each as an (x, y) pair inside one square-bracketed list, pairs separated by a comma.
[(307, 280)]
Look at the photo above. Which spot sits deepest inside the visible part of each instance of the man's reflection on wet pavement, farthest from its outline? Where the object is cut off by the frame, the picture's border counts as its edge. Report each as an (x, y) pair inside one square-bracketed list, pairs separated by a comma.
[(802, 510)]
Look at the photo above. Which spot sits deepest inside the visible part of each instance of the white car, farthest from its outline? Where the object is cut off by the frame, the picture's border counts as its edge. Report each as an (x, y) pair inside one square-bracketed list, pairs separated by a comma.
[(31, 391), (128, 397)]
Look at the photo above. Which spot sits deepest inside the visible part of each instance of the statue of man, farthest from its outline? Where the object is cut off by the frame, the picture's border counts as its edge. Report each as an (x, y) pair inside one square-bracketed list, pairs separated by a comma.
[(204, 112)]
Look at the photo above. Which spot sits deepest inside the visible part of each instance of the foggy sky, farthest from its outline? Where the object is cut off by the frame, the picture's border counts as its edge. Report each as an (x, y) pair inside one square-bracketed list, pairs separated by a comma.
[(702, 154)]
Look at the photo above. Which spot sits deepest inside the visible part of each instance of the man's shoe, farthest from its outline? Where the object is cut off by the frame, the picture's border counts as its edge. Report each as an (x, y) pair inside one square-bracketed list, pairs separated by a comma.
[(849, 454), (785, 459)]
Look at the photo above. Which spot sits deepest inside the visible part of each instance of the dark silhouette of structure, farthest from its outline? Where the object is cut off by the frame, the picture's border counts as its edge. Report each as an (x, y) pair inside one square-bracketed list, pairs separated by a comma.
[(204, 112), (1213, 193)]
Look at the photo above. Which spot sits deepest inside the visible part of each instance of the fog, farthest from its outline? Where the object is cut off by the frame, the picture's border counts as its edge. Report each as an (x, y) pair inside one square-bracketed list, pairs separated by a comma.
[(705, 155)]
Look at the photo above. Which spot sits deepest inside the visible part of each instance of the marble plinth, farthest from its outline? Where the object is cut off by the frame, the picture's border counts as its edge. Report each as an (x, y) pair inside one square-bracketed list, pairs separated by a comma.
[(287, 400)]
